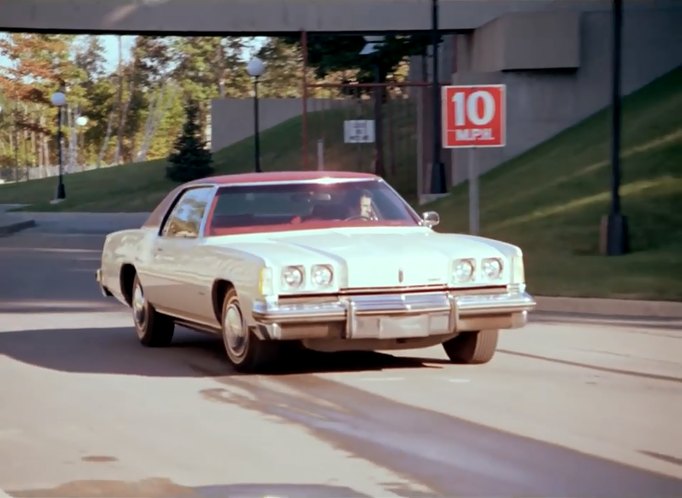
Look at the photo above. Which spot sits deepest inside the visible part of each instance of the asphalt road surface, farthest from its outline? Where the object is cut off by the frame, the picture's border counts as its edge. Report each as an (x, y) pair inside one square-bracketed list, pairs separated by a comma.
[(569, 406)]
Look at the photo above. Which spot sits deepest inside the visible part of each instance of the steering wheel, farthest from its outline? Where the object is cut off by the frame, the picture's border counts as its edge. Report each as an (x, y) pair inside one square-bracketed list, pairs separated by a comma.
[(358, 217)]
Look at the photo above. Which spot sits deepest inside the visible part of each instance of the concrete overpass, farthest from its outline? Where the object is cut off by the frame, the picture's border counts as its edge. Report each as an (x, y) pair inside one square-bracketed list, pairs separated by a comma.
[(271, 17), (553, 55)]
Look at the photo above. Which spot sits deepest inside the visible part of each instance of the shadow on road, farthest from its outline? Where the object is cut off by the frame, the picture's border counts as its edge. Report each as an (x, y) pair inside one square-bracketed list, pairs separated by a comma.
[(192, 354), (452, 456), (158, 487)]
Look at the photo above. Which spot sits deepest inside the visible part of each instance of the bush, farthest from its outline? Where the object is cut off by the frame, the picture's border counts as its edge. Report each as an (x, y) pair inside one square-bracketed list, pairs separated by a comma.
[(190, 159)]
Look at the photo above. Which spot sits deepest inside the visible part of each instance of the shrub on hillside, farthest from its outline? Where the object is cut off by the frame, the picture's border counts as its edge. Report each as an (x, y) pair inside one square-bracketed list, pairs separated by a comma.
[(190, 159)]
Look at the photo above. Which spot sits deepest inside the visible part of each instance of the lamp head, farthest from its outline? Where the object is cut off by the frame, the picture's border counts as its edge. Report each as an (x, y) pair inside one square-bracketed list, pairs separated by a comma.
[(58, 99), (255, 67)]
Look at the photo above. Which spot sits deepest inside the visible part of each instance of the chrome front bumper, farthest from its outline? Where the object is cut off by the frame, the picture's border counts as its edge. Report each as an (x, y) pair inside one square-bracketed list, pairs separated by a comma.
[(404, 315)]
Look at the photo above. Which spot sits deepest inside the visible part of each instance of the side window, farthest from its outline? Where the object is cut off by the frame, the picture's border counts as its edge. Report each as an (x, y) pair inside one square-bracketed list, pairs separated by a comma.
[(185, 219)]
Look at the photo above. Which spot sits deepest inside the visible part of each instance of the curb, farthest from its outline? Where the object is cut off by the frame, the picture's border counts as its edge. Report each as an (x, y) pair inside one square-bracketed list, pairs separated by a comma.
[(17, 226), (609, 307)]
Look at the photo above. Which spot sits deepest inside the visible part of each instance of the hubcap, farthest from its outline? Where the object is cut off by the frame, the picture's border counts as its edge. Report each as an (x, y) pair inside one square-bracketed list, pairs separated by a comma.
[(236, 336), (139, 308)]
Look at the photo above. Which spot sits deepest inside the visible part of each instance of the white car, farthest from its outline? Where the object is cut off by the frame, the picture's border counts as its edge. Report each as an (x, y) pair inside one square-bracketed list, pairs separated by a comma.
[(332, 260)]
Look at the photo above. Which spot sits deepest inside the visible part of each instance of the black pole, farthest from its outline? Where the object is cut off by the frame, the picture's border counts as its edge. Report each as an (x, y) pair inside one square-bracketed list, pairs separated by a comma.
[(615, 225), (615, 115), (61, 193), (379, 122), (255, 124), (437, 166)]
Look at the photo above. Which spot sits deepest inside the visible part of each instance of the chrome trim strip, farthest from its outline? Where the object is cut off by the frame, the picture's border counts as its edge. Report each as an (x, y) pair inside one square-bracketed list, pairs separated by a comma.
[(266, 313), (501, 303), (402, 289)]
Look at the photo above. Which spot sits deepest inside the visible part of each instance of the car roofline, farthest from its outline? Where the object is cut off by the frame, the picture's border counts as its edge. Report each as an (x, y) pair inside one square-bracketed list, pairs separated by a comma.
[(321, 180)]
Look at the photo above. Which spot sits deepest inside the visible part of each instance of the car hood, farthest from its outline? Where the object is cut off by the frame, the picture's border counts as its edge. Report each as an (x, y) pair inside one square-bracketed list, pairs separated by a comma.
[(377, 257)]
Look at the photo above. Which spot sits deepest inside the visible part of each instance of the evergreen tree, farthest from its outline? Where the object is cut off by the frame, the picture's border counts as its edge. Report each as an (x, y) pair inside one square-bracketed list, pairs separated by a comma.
[(190, 158)]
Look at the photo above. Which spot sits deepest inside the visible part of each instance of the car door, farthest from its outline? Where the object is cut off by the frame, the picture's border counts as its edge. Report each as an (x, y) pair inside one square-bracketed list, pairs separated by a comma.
[(182, 281)]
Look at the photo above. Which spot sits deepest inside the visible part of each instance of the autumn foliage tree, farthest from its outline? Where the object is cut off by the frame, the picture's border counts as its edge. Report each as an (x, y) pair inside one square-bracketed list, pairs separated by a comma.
[(132, 90)]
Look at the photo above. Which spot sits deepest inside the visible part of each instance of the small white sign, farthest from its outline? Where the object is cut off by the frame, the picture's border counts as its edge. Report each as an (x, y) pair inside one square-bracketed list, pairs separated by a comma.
[(358, 131)]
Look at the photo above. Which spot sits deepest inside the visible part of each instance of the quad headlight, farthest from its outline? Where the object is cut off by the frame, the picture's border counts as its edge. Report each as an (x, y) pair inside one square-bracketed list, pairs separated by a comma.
[(463, 270), (293, 277), (296, 277), (322, 275), (492, 268)]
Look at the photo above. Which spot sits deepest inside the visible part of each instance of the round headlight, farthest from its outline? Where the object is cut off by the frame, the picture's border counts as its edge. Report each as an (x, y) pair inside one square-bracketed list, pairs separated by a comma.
[(492, 267), (322, 275), (464, 270), (292, 276)]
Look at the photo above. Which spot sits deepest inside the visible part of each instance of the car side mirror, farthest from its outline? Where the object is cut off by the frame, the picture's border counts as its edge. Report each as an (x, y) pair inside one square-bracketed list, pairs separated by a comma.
[(430, 219)]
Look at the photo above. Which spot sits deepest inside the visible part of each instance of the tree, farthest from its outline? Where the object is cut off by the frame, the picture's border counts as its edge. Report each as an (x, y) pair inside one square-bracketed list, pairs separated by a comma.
[(209, 67), (283, 69), (33, 66), (190, 159), (332, 53)]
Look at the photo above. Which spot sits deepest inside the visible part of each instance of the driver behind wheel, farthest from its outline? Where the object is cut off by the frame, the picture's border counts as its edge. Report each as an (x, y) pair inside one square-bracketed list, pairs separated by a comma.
[(363, 207)]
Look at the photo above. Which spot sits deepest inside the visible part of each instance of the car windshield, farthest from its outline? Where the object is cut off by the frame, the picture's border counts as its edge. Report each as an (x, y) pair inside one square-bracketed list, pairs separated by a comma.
[(244, 208)]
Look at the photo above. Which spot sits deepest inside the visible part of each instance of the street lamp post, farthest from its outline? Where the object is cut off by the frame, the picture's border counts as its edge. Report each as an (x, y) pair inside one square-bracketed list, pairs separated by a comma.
[(437, 166), (256, 68), (59, 99), (614, 227)]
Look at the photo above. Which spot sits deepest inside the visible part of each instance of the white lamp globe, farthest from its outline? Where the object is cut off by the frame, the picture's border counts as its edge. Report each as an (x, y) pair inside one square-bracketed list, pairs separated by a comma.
[(81, 120), (58, 99), (255, 67)]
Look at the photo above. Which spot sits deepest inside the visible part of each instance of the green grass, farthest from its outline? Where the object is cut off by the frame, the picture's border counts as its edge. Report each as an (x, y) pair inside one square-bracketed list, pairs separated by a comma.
[(549, 201), (140, 186)]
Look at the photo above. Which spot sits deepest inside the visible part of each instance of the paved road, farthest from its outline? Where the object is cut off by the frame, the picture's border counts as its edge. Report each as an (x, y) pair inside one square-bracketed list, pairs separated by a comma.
[(567, 408)]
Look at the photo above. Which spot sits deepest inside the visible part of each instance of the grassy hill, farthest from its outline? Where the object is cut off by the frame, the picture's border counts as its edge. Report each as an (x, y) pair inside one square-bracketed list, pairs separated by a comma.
[(549, 201)]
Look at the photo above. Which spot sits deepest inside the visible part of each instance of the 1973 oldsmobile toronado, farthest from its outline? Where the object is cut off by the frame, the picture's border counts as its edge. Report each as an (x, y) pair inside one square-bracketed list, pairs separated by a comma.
[(332, 260)]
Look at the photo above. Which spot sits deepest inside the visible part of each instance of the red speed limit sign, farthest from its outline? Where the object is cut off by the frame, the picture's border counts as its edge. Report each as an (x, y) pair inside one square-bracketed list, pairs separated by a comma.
[(473, 116)]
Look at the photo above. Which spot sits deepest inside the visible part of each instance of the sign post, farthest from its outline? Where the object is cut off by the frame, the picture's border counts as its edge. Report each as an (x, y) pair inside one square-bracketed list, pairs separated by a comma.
[(473, 194), (474, 116)]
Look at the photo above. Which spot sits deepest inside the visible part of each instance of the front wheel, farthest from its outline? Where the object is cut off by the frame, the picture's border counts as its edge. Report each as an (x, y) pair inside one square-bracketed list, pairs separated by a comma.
[(472, 347), (153, 329), (244, 350)]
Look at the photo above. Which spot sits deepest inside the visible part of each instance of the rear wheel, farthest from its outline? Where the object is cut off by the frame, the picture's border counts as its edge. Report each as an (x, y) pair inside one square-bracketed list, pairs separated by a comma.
[(245, 351), (153, 329), (472, 347)]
